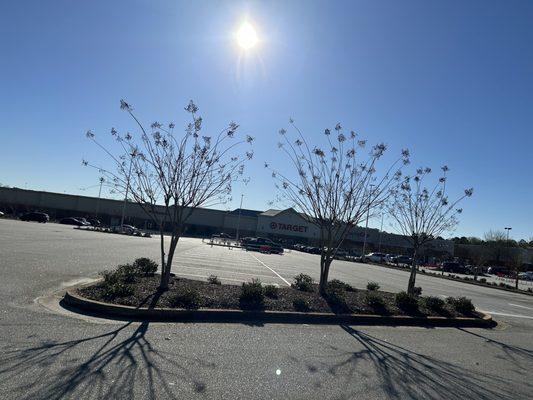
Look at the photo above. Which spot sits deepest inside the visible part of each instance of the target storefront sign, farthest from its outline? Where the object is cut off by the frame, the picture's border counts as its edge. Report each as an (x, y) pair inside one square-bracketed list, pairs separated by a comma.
[(280, 226)]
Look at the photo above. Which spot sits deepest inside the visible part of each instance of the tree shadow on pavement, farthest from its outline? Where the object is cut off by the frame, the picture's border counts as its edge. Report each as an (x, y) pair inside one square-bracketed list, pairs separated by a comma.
[(404, 373), (115, 364), (517, 354)]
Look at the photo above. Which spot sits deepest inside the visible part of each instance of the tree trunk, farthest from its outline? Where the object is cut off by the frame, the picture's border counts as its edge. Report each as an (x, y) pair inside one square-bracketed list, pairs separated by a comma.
[(165, 273), (325, 263), (412, 277), (163, 264)]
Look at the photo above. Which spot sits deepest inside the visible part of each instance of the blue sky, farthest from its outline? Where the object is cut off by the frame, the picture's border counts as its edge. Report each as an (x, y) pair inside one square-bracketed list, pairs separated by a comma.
[(450, 80)]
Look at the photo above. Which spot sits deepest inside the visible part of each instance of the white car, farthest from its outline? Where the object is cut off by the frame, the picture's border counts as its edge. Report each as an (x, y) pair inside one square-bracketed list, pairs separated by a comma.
[(375, 257)]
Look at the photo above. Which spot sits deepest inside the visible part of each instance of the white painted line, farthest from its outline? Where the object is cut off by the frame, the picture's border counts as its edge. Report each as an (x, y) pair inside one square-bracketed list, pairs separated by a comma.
[(266, 266), (507, 315), (205, 276), (518, 305), (219, 270)]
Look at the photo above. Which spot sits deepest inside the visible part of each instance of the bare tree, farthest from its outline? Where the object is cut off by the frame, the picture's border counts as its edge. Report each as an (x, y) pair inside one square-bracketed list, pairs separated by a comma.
[(422, 214), (497, 240), (180, 172), (516, 262), (334, 188), (479, 256), (495, 236)]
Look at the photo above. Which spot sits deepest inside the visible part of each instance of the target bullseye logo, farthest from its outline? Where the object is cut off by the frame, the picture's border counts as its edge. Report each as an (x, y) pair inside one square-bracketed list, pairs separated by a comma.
[(273, 225)]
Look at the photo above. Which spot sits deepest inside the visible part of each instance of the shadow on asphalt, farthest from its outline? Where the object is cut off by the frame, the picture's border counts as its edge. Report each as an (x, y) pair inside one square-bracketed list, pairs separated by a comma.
[(116, 364), (515, 353), (407, 374)]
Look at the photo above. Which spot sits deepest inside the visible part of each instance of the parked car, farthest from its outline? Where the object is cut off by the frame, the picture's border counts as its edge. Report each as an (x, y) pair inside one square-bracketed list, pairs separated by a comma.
[(261, 244), (341, 254), (71, 221), (527, 276), (94, 222), (83, 221), (35, 216), (313, 250), (375, 257), (130, 230), (1, 214), (498, 271), (452, 266), (402, 260)]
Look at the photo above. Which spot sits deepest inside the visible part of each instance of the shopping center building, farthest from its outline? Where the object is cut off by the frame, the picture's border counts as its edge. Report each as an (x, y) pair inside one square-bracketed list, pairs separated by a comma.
[(283, 225)]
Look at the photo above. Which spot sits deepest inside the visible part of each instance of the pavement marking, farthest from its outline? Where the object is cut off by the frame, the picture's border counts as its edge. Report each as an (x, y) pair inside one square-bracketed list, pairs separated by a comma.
[(507, 315), (205, 276), (266, 266), (518, 305)]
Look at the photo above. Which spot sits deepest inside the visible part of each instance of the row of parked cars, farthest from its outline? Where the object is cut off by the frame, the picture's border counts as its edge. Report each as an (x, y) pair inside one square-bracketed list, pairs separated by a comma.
[(79, 221), (43, 218)]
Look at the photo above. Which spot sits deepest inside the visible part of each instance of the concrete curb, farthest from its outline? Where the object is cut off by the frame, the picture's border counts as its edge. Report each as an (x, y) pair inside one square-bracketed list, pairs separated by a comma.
[(78, 303)]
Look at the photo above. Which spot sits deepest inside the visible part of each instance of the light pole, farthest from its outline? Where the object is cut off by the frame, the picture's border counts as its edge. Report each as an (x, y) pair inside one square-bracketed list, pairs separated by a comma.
[(239, 219), (366, 224), (380, 231), (126, 196), (99, 194), (508, 229)]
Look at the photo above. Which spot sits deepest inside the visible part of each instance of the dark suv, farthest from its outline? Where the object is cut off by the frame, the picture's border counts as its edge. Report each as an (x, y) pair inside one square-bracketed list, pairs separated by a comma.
[(35, 216), (453, 267)]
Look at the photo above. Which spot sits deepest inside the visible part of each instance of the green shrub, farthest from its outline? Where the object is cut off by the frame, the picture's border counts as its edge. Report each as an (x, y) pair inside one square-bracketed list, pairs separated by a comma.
[(213, 279), (145, 266), (336, 284), (336, 299), (374, 300), (252, 293), (127, 272), (303, 282), (301, 305), (110, 277), (189, 298), (417, 291), (433, 303), (117, 289), (483, 280), (271, 291), (501, 284), (406, 302), (372, 286), (461, 304)]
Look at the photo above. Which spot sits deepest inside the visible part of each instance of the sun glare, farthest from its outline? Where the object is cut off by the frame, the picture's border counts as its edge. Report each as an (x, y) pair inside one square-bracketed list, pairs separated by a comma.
[(246, 36)]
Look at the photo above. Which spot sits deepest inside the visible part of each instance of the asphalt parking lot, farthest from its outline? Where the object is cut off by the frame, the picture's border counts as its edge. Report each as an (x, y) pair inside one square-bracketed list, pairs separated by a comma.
[(45, 353)]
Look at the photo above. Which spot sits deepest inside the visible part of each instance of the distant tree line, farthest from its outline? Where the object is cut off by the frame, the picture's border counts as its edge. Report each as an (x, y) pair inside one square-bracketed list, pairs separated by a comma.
[(494, 237)]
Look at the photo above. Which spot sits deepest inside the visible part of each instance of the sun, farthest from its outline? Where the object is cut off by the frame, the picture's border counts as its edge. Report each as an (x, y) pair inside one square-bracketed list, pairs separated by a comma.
[(246, 36)]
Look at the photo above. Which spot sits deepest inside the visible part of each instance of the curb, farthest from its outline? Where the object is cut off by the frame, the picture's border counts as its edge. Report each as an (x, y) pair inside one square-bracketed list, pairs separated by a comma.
[(97, 308)]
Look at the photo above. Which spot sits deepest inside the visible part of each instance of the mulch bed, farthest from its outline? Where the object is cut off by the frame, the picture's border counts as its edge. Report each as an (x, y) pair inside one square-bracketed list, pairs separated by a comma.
[(224, 296)]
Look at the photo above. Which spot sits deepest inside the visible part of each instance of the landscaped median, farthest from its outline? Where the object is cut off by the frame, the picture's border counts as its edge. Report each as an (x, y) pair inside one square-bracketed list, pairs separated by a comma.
[(131, 293)]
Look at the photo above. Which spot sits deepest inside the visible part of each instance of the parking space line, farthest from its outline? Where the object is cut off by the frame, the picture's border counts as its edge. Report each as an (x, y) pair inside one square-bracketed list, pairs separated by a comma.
[(518, 305), (266, 266), (507, 315), (229, 271), (205, 276)]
